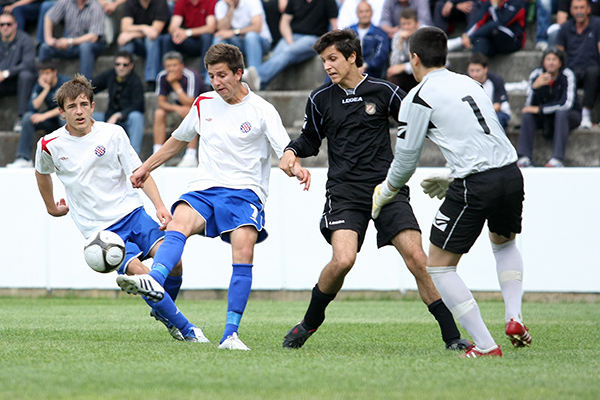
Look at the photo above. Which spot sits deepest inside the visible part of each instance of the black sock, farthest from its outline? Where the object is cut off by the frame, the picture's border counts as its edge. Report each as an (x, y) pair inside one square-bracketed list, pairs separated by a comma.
[(315, 315), (444, 317)]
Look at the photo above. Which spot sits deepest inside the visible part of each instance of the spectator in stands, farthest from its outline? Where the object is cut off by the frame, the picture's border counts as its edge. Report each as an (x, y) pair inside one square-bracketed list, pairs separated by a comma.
[(191, 28), (17, 65), (45, 6), (400, 70), (273, 11), (23, 11), (390, 15), (83, 33), (544, 11), (551, 105), (579, 37), (125, 98), (42, 114), (498, 27), (492, 84), (347, 14), (177, 88), (447, 12), (563, 14), (142, 24), (243, 24), (113, 14), (301, 25), (373, 40)]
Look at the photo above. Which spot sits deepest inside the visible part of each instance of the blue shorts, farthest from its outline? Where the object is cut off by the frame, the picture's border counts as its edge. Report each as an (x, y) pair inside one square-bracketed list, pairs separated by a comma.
[(224, 210), (139, 232)]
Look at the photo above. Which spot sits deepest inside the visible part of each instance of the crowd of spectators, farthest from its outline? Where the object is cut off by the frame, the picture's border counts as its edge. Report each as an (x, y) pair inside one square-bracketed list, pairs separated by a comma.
[(272, 35)]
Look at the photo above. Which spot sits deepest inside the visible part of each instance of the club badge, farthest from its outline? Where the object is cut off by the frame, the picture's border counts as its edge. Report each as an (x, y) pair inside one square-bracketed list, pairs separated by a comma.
[(370, 108)]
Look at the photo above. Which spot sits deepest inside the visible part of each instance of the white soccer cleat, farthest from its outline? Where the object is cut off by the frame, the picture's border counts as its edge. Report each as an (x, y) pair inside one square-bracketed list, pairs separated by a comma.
[(233, 342), (144, 285), (195, 335)]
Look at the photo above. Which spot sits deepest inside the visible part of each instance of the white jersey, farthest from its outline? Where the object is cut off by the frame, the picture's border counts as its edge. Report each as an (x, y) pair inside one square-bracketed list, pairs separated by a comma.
[(235, 142), (94, 170), (454, 112)]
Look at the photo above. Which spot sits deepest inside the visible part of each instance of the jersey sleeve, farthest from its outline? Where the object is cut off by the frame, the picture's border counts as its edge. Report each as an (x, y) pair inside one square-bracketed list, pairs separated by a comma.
[(130, 161), (44, 164), (276, 133), (190, 126), (310, 139)]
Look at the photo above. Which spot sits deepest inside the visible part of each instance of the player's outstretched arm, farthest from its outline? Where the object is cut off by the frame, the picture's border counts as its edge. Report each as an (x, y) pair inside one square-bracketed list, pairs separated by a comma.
[(46, 187), (290, 164), (437, 184), (171, 147), (382, 195), (151, 190)]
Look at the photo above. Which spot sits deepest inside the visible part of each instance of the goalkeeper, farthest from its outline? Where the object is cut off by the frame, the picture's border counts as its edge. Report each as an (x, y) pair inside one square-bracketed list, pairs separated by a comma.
[(353, 112)]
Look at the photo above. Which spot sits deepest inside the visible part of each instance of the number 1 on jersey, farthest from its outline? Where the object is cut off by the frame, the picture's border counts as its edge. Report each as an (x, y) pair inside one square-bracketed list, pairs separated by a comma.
[(477, 112)]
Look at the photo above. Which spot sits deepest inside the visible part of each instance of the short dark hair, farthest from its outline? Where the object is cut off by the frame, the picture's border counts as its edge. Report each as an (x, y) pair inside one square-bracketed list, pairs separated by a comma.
[(479, 58), (48, 64), (344, 40), (558, 53), (224, 53), (431, 45), (125, 54), (409, 13), (72, 89)]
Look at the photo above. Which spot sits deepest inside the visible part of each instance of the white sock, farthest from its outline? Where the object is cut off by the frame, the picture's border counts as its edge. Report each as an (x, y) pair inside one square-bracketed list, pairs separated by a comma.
[(459, 299), (585, 113), (191, 153), (156, 148), (509, 265)]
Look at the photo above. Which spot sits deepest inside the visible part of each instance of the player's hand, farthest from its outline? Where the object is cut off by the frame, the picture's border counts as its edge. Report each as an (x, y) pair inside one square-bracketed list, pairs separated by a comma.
[(382, 195), (287, 162), (61, 209), (437, 184), (164, 217), (138, 177), (302, 174)]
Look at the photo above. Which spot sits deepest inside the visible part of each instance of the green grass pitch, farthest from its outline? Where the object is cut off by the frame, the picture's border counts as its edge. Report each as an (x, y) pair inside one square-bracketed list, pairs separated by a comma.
[(69, 348)]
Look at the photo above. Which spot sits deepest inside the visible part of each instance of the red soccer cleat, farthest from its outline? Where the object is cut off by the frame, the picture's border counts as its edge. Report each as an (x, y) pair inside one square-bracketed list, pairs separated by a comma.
[(474, 352), (518, 333)]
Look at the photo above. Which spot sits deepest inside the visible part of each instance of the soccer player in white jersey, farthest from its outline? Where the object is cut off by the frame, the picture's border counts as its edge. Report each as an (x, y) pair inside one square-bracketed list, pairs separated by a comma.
[(455, 113), (93, 160), (238, 131), (352, 112)]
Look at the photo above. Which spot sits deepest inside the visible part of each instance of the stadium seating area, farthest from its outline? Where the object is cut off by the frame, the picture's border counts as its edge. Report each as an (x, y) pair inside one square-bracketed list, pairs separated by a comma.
[(288, 92)]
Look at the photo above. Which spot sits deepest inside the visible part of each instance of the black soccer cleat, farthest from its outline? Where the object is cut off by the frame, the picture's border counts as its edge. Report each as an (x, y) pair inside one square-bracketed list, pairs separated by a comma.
[(458, 344), (296, 337)]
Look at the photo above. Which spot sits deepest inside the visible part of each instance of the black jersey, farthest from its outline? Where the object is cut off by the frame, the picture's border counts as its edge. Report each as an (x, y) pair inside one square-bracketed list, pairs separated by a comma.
[(356, 125)]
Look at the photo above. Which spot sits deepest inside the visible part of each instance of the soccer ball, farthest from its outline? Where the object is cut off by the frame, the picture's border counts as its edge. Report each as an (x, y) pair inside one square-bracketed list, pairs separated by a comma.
[(104, 251)]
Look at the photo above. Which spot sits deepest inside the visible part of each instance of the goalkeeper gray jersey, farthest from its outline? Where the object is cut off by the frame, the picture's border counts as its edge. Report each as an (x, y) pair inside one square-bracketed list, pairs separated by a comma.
[(456, 114)]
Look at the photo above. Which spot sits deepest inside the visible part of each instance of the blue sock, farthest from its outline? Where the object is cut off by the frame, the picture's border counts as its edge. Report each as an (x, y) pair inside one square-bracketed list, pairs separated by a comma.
[(172, 285), (167, 256), (237, 297), (167, 309)]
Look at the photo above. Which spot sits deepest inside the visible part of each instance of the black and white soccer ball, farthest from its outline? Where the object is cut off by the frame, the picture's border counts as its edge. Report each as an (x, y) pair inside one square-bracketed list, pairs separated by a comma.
[(104, 251)]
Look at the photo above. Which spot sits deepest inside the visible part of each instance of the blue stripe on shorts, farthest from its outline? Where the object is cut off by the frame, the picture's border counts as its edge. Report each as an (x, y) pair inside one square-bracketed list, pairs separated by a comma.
[(139, 232), (225, 210)]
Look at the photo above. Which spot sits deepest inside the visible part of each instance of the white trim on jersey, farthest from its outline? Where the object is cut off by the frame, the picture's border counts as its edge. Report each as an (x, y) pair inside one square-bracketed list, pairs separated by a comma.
[(236, 142)]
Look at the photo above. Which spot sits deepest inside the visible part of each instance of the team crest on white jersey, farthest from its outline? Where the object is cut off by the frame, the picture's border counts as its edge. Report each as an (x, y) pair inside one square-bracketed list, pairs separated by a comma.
[(441, 221), (246, 127), (100, 150), (370, 108)]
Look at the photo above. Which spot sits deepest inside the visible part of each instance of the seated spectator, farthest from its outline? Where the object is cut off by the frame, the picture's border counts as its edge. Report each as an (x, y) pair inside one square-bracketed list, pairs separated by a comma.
[(492, 84), (42, 114), (273, 10), (242, 23), (498, 27), (142, 24), (446, 13), (347, 13), (45, 6), (390, 15), (126, 102), (23, 10), (563, 14), (543, 16), (400, 70), (83, 33), (191, 28), (17, 65), (301, 25), (113, 14), (177, 88), (579, 37), (552, 106), (374, 42)]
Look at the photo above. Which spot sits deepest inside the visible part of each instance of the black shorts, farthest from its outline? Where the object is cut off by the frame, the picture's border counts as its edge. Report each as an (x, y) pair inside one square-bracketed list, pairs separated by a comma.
[(348, 206), (495, 195)]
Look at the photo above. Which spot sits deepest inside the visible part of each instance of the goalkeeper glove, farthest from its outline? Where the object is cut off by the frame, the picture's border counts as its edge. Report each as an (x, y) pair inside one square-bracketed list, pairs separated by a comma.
[(437, 184), (381, 196)]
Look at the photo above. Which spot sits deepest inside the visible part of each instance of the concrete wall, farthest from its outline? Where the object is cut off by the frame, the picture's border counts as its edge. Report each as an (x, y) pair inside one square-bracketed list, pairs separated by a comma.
[(559, 235)]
